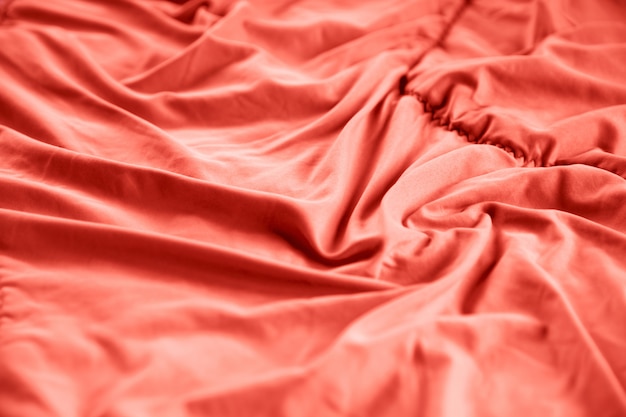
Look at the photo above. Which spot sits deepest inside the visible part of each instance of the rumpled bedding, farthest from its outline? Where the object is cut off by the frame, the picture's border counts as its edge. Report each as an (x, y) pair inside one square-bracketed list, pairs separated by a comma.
[(312, 208)]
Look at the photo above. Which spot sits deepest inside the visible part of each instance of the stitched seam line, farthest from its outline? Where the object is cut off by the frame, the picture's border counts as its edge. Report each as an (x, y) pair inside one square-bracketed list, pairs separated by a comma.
[(444, 33), (455, 17)]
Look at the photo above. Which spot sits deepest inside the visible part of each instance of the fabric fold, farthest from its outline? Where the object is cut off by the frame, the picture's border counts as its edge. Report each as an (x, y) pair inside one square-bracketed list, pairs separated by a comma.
[(312, 208)]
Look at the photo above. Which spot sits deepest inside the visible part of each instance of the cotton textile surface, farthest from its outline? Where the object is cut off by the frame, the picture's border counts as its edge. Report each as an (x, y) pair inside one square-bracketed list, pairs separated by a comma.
[(312, 208)]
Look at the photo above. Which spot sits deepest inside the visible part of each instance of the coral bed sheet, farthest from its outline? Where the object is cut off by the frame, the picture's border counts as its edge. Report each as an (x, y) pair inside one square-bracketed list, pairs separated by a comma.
[(312, 208)]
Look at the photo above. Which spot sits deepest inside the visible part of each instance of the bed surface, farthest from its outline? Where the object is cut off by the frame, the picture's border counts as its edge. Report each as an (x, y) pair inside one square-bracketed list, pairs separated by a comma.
[(312, 208)]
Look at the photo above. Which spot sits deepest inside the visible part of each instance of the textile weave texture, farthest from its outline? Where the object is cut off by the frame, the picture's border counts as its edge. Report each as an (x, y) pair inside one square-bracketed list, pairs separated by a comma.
[(312, 208)]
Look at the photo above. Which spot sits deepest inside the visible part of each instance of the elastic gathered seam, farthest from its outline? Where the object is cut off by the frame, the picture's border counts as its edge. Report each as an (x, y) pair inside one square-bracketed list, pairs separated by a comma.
[(468, 137), (519, 156)]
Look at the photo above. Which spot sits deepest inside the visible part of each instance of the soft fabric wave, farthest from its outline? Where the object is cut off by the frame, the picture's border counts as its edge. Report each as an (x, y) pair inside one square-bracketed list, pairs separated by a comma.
[(312, 208)]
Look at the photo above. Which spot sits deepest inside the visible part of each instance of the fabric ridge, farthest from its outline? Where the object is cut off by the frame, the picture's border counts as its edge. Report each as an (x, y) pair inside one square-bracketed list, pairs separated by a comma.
[(312, 208)]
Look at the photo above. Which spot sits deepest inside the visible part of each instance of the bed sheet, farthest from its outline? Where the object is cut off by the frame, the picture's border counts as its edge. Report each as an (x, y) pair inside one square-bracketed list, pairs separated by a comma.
[(312, 208)]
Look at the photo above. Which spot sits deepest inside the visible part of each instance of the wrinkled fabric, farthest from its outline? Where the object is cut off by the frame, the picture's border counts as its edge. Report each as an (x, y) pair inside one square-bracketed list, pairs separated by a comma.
[(312, 208)]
